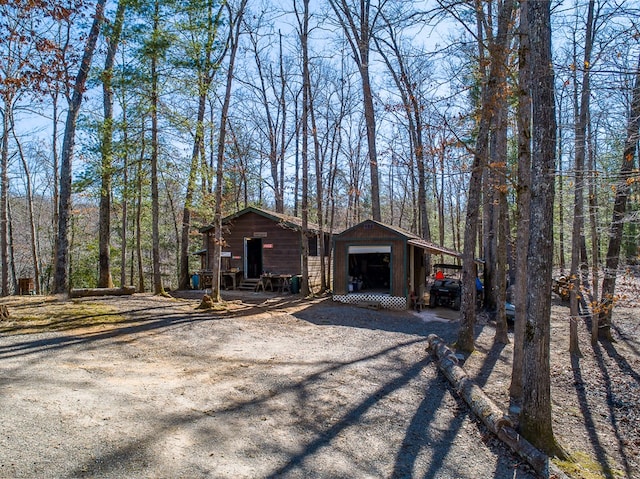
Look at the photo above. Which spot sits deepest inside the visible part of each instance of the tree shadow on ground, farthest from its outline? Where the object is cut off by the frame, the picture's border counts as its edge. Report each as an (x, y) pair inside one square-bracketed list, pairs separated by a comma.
[(133, 326)]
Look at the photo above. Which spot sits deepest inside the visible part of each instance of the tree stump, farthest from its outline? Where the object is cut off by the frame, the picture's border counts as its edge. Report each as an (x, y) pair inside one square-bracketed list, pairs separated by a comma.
[(4, 312), (206, 303)]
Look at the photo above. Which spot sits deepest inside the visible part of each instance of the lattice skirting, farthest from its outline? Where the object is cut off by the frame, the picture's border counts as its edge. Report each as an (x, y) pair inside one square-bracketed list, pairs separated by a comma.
[(386, 301)]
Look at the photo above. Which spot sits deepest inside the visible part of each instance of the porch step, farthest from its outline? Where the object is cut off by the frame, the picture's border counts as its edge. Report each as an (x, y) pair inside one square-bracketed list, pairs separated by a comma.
[(249, 284)]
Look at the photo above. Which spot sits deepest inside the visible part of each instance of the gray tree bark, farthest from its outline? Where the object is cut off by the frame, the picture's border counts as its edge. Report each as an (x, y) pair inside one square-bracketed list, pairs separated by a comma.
[(535, 418)]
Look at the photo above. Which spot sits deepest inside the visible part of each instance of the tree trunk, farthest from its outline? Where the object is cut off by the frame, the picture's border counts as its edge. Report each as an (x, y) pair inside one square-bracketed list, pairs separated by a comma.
[(306, 93), (234, 37), (4, 195), (500, 200), (85, 292), (33, 238), (55, 194), (581, 112), (155, 148), (619, 209), (125, 201), (492, 97), (139, 183), (319, 169), (560, 202), (198, 144), (523, 202), (535, 418), (61, 278), (593, 215), (104, 235)]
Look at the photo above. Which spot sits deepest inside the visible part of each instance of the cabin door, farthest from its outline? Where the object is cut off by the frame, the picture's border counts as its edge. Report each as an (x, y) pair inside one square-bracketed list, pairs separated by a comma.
[(253, 257)]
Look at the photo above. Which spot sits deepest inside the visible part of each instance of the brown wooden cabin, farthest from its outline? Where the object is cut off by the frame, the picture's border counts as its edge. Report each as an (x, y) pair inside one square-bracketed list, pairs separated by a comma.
[(258, 241), (383, 264)]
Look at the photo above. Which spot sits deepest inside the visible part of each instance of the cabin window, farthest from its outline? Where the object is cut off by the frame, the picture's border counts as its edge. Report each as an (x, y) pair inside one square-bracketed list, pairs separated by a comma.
[(313, 246)]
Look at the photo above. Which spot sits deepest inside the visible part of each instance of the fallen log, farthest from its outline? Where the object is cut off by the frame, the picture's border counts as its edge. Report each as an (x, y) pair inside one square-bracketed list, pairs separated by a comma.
[(85, 292), (484, 408)]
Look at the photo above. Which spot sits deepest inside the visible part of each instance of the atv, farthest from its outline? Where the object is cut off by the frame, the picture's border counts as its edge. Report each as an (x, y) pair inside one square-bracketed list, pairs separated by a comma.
[(446, 289)]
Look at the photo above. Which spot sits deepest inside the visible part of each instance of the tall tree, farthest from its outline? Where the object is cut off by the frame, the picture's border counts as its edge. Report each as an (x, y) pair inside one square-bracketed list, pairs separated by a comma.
[(623, 189), (30, 61), (535, 417), (61, 266), (492, 96), (156, 50), (581, 113), (303, 26), (409, 88), (235, 22), (201, 59), (272, 98), (358, 25), (104, 236), (523, 191), (33, 239)]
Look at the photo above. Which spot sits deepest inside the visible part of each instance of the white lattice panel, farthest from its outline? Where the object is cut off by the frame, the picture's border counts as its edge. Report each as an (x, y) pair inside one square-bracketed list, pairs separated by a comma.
[(386, 301)]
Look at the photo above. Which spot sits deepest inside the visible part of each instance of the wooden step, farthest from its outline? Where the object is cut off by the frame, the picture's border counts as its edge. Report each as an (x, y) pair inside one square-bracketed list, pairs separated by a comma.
[(249, 284)]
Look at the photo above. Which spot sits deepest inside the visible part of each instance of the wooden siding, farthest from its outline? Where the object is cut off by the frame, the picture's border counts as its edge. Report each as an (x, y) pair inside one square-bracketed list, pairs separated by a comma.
[(371, 234), (281, 247), (314, 272)]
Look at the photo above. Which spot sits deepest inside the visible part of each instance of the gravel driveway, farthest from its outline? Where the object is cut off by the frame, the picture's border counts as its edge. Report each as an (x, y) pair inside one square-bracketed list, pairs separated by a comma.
[(267, 390)]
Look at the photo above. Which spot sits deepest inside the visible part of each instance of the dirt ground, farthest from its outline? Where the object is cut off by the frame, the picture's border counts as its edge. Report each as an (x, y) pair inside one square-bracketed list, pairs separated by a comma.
[(281, 387)]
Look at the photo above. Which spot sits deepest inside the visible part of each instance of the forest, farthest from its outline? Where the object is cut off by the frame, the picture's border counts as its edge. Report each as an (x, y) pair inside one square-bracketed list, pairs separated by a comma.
[(506, 130)]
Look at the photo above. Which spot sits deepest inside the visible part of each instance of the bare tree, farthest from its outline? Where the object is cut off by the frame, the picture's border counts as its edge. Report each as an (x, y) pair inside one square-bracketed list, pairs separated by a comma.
[(303, 32), (581, 112), (205, 65), (492, 97), (619, 211), (33, 239), (408, 86), (358, 25), (235, 22)]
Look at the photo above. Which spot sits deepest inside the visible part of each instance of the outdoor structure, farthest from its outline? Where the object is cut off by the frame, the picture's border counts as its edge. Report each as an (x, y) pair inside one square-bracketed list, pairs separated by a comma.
[(261, 243), (381, 265)]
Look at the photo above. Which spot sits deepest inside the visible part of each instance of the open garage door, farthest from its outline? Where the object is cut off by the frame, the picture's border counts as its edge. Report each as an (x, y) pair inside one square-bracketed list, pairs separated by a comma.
[(370, 268)]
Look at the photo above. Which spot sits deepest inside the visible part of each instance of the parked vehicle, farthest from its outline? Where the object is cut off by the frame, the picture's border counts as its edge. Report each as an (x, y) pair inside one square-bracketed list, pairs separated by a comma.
[(446, 289)]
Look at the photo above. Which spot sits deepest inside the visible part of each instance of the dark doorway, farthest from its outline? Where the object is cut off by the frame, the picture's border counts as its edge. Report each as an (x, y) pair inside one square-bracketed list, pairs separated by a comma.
[(254, 257), (370, 272)]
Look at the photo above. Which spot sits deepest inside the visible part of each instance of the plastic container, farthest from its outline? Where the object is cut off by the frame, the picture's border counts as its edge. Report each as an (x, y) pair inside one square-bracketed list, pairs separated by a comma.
[(295, 284)]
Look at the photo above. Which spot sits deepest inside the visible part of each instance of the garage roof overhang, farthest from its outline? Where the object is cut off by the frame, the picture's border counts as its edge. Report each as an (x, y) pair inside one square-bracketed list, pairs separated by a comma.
[(433, 248)]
